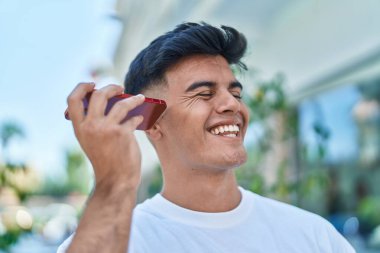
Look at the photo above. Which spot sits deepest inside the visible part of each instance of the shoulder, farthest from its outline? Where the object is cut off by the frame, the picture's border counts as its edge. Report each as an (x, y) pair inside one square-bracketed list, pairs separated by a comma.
[(277, 209), (148, 215), (293, 222), (147, 209), (65, 245)]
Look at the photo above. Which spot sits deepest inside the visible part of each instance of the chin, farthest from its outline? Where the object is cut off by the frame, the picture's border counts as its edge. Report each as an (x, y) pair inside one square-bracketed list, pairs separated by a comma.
[(221, 161), (235, 159)]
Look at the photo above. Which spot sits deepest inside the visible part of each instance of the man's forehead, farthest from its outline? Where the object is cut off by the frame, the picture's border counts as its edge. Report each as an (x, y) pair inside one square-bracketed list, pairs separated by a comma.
[(199, 69)]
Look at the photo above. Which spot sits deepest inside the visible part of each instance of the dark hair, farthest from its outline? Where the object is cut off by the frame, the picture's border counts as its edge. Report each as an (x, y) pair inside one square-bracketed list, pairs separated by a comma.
[(150, 65)]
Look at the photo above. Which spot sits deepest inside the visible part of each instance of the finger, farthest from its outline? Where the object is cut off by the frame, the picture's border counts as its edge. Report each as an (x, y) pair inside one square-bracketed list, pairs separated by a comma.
[(133, 122), (75, 101), (99, 99), (121, 108)]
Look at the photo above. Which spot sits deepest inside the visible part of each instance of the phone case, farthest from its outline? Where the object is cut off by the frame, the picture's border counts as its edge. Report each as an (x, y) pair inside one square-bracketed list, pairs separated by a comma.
[(151, 109)]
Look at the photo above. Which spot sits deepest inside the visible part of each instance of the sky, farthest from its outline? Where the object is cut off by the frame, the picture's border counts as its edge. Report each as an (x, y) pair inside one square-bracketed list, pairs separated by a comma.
[(46, 48)]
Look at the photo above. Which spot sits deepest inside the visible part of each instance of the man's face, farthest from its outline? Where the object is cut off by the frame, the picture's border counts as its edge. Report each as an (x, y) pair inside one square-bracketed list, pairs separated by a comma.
[(205, 122)]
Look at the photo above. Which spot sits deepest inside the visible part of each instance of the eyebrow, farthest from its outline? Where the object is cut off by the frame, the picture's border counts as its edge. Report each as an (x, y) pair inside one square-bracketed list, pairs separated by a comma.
[(197, 85), (236, 84), (208, 84)]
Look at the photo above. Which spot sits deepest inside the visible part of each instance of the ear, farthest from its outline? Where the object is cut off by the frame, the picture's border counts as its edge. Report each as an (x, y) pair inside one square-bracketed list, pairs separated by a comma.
[(154, 133)]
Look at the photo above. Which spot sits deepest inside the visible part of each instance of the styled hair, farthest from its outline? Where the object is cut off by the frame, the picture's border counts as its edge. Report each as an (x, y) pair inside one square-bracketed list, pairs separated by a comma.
[(149, 67)]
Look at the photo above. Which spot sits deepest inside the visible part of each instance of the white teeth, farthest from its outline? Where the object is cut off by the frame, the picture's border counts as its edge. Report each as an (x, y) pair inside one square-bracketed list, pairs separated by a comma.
[(226, 128)]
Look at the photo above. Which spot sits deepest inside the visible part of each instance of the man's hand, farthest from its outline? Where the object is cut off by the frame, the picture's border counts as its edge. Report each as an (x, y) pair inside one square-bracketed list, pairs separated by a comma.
[(116, 159), (110, 146)]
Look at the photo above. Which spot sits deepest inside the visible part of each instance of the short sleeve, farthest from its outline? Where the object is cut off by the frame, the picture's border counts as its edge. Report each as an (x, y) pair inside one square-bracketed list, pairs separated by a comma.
[(63, 247), (335, 241)]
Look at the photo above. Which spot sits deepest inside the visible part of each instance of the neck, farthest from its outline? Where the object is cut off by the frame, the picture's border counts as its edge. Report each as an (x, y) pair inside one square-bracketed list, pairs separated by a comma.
[(200, 190)]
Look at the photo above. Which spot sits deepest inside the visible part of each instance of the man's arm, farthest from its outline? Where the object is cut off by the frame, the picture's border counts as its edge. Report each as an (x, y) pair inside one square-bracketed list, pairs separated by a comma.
[(116, 160), (105, 225)]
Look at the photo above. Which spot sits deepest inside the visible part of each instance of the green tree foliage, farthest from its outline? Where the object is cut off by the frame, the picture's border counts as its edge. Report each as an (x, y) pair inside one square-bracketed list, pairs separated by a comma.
[(76, 180), (8, 131), (10, 175), (277, 119)]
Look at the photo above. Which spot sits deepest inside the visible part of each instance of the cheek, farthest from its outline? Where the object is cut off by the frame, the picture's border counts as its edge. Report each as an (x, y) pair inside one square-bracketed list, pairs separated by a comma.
[(245, 113), (188, 134), (189, 117), (184, 125)]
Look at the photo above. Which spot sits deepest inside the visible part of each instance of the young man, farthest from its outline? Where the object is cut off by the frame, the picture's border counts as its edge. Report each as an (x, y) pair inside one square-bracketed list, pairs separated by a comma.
[(199, 141)]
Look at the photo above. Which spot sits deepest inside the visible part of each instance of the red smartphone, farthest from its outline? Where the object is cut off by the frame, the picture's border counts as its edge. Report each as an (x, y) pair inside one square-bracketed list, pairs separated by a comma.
[(151, 109)]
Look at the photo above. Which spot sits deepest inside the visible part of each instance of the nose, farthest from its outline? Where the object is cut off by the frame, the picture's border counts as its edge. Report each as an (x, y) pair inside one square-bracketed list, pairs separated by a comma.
[(227, 103)]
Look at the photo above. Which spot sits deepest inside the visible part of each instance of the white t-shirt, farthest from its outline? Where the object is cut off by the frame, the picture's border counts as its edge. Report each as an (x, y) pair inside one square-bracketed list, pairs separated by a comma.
[(257, 225)]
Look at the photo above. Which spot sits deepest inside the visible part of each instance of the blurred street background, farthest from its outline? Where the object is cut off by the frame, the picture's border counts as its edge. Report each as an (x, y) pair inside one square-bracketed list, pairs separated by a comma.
[(313, 88)]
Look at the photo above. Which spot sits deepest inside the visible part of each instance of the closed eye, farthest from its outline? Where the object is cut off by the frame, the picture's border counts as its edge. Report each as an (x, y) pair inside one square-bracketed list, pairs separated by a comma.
[(207, 94), (237, 95)]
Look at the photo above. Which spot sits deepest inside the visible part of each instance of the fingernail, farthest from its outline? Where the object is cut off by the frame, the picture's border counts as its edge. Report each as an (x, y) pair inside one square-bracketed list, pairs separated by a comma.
[(140, 96)]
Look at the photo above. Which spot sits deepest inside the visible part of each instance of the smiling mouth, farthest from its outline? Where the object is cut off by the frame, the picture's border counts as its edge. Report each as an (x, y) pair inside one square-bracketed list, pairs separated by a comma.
[(226, 130)]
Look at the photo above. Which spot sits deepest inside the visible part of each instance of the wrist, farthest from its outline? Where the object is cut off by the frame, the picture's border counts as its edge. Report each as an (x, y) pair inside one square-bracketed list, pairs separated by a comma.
[(115, 188)]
